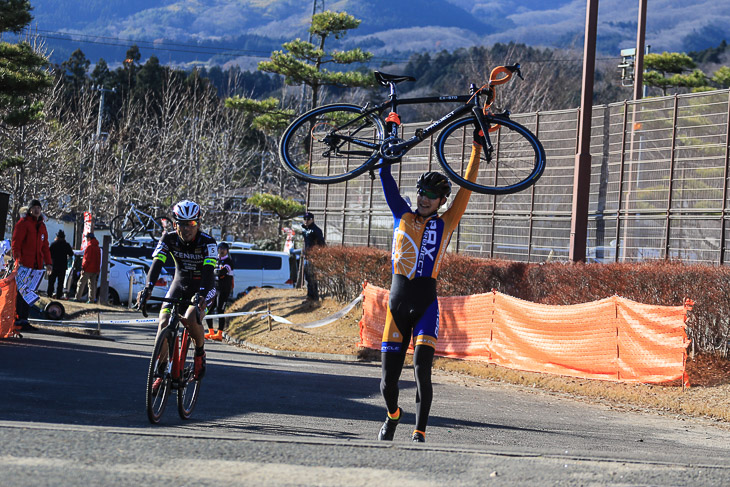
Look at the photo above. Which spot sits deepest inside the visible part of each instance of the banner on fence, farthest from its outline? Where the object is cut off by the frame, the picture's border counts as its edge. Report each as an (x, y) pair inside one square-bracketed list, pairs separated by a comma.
[(612, 339)]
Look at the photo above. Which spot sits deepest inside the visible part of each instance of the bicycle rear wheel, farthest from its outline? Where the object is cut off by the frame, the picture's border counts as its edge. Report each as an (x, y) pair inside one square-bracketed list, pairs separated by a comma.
[(517, 162), (331, 144), (159, 381), (188, 388)]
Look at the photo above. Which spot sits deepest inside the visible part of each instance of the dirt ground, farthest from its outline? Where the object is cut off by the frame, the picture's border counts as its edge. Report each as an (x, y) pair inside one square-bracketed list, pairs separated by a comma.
[(708, 396)]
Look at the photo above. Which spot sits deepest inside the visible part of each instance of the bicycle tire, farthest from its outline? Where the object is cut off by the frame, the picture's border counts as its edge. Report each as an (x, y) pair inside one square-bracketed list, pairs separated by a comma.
[(188, 388), (156, 401), (517, 162), (158, 228), (315, 147), (122, 228)]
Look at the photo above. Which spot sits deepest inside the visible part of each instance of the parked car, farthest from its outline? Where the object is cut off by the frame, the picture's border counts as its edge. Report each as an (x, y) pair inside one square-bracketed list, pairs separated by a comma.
[(119, 276), (241, 245), (163, 281), (261, 268)]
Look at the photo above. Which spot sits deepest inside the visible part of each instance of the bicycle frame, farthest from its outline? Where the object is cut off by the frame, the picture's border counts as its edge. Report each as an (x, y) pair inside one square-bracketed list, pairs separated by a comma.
[(134, 211), (393, 147), (179, 350)]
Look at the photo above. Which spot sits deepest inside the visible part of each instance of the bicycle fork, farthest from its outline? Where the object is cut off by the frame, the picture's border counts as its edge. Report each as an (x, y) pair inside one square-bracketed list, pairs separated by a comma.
[(481, 134)]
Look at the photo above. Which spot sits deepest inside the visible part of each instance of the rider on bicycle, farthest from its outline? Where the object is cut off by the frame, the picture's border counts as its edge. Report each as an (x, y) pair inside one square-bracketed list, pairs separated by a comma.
[(195, 255)]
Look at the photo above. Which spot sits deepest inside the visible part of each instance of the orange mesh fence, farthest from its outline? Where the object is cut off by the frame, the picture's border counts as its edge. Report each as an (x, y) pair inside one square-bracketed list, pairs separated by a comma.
[(8, 294), (612, 339)]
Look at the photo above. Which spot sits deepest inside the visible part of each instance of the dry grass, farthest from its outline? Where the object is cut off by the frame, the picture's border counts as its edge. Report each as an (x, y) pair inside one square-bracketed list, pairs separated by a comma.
[(708, 397)]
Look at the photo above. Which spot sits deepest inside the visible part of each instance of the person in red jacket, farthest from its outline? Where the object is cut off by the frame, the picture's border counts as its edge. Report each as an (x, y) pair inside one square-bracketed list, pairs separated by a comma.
[(30, 249), (90, 267)]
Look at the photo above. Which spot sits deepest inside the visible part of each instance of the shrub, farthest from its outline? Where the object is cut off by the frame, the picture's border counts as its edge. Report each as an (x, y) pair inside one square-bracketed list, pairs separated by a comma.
[(341, 270)]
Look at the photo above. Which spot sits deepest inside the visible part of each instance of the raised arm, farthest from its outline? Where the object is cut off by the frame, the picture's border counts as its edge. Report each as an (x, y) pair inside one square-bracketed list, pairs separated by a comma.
[(396, 203), (458, 207)]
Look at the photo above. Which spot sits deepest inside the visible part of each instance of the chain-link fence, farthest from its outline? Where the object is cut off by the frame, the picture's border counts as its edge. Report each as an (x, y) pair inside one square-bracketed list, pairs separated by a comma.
[(659, 189)]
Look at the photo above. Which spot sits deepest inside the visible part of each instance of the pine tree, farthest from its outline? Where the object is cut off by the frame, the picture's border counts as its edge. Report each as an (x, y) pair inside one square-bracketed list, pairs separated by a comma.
[(666, 70), (304, 62), (23, 80), (22, 69)]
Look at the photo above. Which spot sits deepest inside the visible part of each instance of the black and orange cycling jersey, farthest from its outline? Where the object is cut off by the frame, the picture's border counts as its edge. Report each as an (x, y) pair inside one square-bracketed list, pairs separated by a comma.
[(419, 243)]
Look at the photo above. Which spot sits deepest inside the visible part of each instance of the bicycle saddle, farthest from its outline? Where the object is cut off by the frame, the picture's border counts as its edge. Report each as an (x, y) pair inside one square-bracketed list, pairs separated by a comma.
[(384, 78)]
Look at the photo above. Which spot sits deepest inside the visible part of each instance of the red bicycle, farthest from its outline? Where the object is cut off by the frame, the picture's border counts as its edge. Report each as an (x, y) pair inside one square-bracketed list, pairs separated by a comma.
[(172, 365)]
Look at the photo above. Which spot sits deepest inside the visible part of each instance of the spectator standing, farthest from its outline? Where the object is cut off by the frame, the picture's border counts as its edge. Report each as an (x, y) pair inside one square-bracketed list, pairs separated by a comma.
[(60, 252), (30, 249), (313, 237), (90, 267), (224, 286)]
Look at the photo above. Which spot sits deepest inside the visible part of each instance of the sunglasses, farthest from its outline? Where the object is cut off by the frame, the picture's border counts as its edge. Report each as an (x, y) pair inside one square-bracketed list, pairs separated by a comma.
[(429, 194), (191, 224)]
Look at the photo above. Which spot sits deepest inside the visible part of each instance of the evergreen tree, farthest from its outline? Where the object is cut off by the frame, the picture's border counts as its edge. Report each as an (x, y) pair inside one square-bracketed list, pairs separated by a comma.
[(722, 77), (75, 70), (24, 76), (303, 63), (101, 75), (666, 70), (22, 69)]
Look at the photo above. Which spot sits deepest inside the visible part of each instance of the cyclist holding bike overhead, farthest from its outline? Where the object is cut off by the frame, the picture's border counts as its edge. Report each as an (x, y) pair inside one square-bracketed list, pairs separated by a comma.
[(420, 239), (195, 255)]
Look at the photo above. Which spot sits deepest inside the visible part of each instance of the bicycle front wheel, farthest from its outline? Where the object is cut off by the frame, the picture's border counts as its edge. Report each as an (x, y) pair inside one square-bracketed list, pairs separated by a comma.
[(517, 160), (122, 227), (159, 226), (159, 381), (188, 388), (331, 144)]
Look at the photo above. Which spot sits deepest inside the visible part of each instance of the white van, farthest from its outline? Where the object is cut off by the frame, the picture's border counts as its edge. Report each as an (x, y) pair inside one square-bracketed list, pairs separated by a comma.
[(261, 268)]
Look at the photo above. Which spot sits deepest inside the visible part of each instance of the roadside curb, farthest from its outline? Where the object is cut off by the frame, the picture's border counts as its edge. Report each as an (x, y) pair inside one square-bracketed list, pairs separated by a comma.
[(290, 353)]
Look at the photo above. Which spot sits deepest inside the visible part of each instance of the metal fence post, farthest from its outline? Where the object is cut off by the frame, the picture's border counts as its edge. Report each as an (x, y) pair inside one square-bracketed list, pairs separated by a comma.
[(672, 150), (723, 216)]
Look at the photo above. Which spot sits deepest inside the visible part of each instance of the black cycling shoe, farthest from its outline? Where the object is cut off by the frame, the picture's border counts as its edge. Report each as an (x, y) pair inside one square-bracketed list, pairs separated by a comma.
[(387, 431), (418, 437)]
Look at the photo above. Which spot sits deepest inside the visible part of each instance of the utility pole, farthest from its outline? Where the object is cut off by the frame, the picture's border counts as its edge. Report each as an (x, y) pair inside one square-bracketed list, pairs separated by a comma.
[(582, 171), (97, 137), (303, 102), (639, 63)]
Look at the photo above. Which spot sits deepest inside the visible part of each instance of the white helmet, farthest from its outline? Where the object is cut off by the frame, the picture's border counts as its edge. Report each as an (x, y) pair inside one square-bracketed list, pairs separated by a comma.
[(186, 211)]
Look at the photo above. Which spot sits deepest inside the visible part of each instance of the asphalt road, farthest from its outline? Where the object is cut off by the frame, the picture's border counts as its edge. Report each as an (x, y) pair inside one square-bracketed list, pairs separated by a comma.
[(72, 413)]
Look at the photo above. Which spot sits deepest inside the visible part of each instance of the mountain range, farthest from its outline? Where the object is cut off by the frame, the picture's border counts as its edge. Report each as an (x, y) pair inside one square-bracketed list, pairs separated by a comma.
[(245, 31)]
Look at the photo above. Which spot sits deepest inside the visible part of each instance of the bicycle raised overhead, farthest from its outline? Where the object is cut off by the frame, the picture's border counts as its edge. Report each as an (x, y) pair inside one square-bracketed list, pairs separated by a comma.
[(172, 365), (337, 142)]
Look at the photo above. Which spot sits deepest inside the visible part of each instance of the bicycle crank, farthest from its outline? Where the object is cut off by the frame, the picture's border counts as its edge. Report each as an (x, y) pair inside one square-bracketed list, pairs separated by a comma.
[(393, 148)]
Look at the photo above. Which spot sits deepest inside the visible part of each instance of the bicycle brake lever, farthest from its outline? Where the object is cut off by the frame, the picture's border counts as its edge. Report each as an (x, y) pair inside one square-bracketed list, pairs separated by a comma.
[(143, 308)]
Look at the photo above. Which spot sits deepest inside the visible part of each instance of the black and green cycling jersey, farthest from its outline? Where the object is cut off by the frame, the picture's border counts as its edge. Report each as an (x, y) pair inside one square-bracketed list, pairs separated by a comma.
[(195, 263)]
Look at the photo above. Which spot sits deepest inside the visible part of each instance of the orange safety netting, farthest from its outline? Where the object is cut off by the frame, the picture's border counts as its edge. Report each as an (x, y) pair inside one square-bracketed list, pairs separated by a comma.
[(8, 293), (613, 339)]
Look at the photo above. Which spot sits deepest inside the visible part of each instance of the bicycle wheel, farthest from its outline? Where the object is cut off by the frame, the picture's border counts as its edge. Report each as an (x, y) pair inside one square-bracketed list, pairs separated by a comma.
[(156, 398), (331, 144), (188, 387), (517, 160), (122, 227), (159, 226)]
